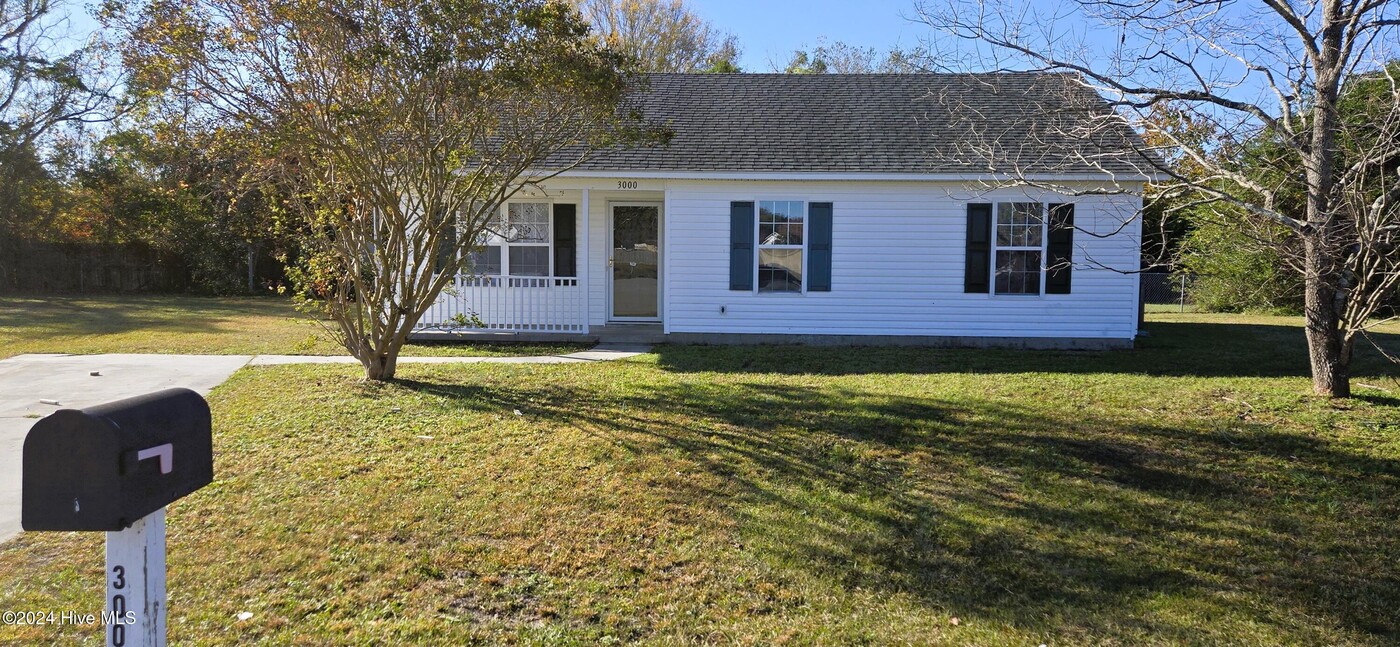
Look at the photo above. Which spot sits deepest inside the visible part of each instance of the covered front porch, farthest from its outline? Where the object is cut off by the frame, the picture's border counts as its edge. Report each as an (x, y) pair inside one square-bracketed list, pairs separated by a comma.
[(569, 261)]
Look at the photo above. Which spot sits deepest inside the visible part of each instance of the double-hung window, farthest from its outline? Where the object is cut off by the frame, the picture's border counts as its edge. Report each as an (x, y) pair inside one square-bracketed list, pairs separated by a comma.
[(516, 242), (1020, 247), (526, 232), (780, 245)]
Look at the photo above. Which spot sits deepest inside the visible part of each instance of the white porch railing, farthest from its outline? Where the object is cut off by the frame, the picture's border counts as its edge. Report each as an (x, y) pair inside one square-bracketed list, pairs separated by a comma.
[(511, 304)]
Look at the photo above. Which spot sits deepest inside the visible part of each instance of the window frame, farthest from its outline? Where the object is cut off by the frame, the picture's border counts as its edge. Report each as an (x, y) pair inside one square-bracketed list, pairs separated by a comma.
[(759, 246), (996, 246)]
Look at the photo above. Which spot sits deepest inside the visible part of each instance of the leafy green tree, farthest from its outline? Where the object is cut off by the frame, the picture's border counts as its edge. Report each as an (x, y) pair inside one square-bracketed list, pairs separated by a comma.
[(803, 62), (179, 197), (375, 122), (1238, 269), (724, 60), (44, 82), (1169, 217)]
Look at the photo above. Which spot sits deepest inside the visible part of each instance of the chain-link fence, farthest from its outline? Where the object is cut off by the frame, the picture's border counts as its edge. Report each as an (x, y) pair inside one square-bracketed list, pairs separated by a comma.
[(1162, 291)]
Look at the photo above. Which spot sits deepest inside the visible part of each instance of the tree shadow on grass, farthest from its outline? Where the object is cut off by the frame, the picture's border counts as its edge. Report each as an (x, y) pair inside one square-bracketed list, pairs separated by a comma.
[(114, 315), (1172, 349), (1049, 520)]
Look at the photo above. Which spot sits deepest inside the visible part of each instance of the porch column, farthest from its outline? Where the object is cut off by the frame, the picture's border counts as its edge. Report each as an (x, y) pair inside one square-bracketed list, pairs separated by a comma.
[(585, 262), (665, 261)]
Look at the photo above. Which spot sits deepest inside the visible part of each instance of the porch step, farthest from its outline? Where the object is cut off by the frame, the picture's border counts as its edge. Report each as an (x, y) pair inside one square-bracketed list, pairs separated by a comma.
[(628, 333)]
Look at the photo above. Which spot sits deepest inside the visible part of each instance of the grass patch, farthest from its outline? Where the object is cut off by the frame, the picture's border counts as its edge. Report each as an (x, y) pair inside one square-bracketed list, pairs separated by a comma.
[(194, 325), (1154, 308), (1190, 491)]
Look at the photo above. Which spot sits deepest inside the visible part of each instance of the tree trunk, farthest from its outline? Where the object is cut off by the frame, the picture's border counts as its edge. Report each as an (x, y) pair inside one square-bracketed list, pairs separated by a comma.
[(380, 367), (1329, 348), (1325, 293), (252, 268)]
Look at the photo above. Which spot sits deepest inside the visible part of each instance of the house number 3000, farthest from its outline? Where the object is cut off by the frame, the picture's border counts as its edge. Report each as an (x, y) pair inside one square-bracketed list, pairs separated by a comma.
[(626, 184)]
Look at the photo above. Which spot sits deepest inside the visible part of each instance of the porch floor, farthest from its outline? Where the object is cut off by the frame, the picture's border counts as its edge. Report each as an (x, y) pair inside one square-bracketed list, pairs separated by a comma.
[(615, 333)]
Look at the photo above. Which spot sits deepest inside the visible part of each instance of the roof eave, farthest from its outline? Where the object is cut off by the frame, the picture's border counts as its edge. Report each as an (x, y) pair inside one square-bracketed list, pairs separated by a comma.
[(1127, 177)]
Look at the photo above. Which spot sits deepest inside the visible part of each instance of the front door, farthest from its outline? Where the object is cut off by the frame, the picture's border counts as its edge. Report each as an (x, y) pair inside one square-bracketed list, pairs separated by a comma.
[(635, 259)]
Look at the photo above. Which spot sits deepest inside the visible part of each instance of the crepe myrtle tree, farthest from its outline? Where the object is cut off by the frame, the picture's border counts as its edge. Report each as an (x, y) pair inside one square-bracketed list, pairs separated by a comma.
[(1271, 77), (389, 131)]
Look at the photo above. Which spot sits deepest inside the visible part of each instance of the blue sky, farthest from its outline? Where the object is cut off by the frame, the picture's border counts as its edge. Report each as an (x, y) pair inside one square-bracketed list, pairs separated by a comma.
[(770, 30)]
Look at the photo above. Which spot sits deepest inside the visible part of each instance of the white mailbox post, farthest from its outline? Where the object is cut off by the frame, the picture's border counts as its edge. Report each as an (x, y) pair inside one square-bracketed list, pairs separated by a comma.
[(136, 584)]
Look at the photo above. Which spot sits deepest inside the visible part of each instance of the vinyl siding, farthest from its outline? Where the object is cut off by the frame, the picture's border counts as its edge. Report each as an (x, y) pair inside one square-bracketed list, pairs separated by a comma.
[(897, 265)]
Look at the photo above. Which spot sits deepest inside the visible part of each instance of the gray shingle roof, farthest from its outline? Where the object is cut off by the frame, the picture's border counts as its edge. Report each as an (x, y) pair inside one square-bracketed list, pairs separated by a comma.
[(878, 123)]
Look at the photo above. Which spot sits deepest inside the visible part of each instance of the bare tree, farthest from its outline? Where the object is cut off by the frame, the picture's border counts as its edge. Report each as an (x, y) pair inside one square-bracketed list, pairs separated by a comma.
[(663, 35), (1269, 73), (390, 129), (45, 81), (839, 57)]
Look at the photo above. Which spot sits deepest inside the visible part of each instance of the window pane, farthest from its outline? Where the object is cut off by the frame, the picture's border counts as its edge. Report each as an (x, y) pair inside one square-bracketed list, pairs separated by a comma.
[(780, 222), (1018, 272), (529, 261), (527, 222), (779, 270), (767, 228), (1029, 215), (794, 231), (485, 261), (1018, 224)]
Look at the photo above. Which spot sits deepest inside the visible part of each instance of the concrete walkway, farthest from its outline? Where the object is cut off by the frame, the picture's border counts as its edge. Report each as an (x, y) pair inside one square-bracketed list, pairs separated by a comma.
[(77, 381), (600, 353)]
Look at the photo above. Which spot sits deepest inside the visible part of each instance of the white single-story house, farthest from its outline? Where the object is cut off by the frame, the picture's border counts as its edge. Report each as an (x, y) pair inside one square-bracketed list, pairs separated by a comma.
[(875, 208)]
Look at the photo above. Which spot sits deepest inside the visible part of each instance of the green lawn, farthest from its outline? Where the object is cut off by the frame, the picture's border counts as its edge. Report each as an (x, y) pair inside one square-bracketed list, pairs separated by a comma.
[(1187, 492), (187, 324)]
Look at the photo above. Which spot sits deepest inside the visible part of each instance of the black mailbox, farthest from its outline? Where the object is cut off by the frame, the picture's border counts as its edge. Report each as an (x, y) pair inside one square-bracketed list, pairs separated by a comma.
[(105, 467)]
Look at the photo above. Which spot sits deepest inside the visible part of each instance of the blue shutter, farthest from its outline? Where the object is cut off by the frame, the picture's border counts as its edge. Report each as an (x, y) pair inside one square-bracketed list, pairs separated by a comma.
[(819, 247), (446, 251), (565, 240), (1060, 250), (977, 268), (741, 244)]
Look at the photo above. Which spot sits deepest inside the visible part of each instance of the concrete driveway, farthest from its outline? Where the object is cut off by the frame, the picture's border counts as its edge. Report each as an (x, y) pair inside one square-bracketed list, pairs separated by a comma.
[(27, 379)]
